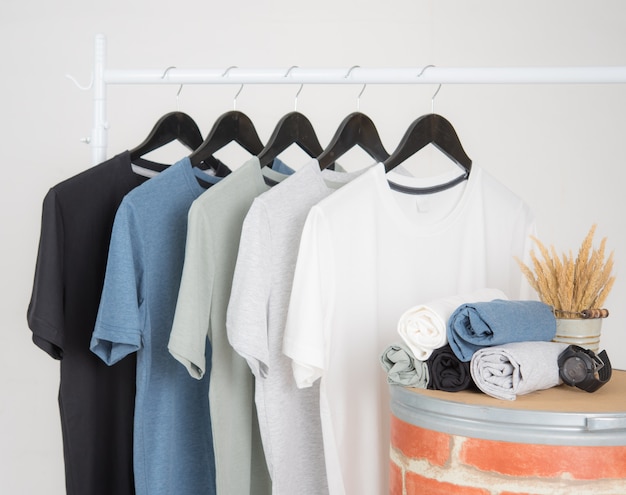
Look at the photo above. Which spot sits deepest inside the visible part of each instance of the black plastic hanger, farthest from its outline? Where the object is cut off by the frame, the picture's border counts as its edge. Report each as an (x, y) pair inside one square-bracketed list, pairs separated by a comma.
[(230, 126), (430, 129), (293, 128), (171, 127), (356, 129)]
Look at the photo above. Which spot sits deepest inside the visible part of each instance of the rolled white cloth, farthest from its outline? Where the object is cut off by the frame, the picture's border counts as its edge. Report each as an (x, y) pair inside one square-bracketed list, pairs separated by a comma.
[(518, 368), (423, 327)]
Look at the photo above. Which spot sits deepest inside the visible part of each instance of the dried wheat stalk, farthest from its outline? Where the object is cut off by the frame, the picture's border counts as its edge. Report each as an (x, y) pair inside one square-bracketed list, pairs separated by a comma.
[(571, 285)]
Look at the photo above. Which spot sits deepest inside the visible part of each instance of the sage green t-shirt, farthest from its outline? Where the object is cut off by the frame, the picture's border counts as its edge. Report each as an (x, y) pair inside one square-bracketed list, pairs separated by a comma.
[(214, 227)]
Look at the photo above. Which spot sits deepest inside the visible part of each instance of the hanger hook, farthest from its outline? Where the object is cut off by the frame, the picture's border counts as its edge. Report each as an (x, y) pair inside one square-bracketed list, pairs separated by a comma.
[(167, 70), (290, 69), (358, 98), (295, 103), (350, 71), (177, 98), (424, 69), (228, 70), (236, 96), (432, 99), (78, 85), (240, 87)]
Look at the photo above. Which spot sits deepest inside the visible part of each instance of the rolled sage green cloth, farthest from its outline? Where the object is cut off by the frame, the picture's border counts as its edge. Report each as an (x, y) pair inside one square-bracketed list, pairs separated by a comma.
[(403, 368)]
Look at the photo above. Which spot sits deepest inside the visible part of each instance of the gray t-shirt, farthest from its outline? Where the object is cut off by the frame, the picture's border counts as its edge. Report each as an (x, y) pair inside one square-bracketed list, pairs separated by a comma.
[(289, 417)]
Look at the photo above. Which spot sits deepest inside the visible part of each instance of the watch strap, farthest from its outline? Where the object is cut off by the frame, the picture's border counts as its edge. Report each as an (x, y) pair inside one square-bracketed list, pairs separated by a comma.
[(604, 375)]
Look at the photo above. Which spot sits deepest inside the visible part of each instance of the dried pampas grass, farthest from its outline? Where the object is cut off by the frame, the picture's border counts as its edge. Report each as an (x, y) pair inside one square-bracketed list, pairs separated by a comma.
[(571, 285)]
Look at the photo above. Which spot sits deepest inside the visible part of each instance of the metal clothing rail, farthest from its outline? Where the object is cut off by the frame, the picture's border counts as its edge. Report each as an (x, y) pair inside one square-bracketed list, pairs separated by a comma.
[(362, 75), (428, 74)]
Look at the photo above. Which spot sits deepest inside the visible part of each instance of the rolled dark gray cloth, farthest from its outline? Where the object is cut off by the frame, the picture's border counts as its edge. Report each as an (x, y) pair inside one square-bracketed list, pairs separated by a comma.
[(447, 372), (509, 370), (473, 326), (403, 368)]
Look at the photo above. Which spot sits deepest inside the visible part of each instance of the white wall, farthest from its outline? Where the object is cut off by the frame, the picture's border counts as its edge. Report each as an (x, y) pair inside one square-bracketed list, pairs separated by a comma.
[(559, 147)]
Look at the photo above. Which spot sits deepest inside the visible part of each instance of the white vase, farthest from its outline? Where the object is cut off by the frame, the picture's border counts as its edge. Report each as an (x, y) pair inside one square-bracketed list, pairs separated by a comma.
[(584, 332)]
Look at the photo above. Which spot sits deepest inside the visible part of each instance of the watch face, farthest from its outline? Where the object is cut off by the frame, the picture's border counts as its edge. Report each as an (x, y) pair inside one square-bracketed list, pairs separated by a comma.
[(574, 369)]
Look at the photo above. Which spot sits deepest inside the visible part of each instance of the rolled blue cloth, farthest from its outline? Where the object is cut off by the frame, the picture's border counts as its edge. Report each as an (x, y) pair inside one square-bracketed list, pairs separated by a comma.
[(473, 326), (403, 368)]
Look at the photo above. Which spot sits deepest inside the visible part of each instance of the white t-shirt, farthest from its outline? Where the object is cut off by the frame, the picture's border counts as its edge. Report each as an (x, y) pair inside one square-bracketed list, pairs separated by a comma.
[(288, 417), (366, 254)]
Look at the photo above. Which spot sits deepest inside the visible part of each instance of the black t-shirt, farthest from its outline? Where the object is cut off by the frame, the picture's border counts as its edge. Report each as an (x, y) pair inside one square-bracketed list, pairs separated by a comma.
[(96, 401)]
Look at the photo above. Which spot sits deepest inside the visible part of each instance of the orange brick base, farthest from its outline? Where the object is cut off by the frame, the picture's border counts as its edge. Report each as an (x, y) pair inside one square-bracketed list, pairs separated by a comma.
[(427, 462)]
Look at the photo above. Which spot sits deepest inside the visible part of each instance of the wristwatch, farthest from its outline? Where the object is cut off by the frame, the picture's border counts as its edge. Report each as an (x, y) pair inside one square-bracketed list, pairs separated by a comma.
[(581, 368)]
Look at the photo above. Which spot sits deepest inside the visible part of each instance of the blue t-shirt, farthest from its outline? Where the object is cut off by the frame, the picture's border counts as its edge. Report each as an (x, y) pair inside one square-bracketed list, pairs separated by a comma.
[(173, 446)]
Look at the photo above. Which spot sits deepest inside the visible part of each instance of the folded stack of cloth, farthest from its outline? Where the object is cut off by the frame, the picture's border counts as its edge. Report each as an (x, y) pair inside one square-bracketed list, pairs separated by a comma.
[(518, 368), (479, 339)]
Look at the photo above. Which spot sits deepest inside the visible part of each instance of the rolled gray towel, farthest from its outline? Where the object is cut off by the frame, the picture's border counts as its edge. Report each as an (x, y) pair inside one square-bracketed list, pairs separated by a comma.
[(509, 370), (403, 368)]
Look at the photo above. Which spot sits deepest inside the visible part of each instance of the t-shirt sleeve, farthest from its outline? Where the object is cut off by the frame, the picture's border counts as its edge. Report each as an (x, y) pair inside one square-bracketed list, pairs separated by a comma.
[(247, 314), (45, 313), (119, 324), (187, 342), (307, 331)]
